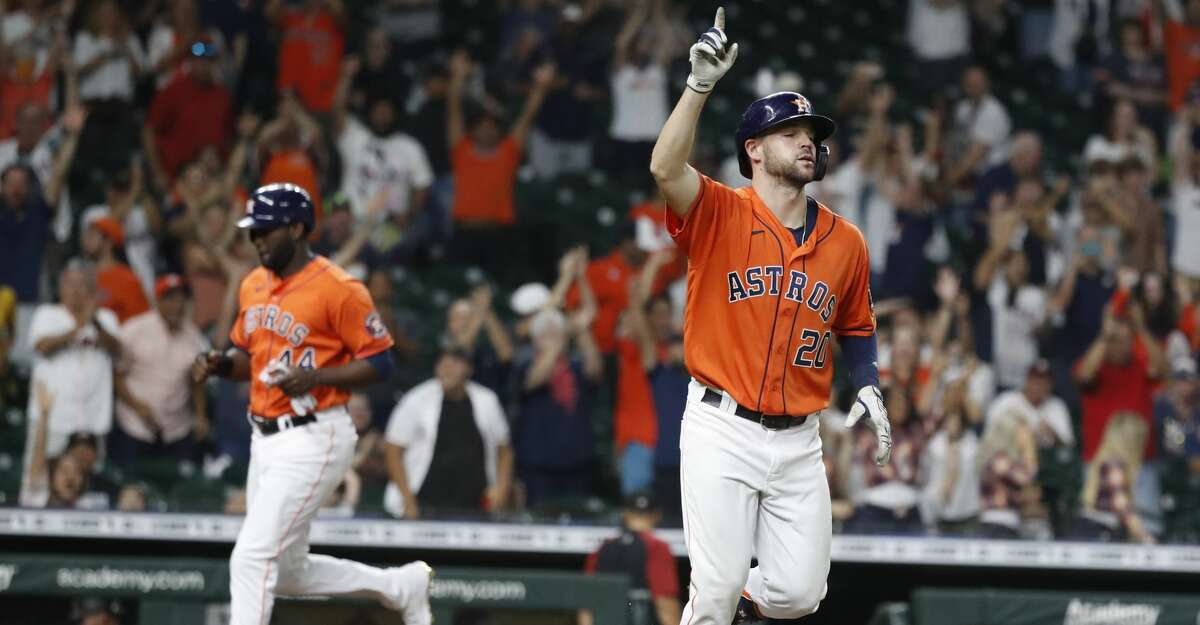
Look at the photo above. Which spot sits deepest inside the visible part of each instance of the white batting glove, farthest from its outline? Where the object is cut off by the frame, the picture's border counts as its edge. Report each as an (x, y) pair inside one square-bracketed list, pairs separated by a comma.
[(870, 403), (711, 56)]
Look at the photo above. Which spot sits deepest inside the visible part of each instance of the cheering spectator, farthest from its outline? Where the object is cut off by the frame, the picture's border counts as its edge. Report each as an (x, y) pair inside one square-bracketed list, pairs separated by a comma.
[(140, 220), (380, 76), (939, 36), (76, 345), (108, 55), (376, 157), (1044, 414), (1135, 73), (609, 278), (120, 289), (561, 139), (645, 558), (1117, 374), (192, 112), (1007, 464), (1177, 416), (50, 481), (1018, 308), (472, 326), (310, 55), (172, 43), (553, 434), (293, 149), (950, 497), (370, 461), (1147, 247), (1078, 304), (1185, 187), (153, 383), (639, 85), (485, 167), (1024, 162), (979, 135), (26, 213), (448, 446), (1180, 22), (26, 79), (1108, 512), (888, 497)]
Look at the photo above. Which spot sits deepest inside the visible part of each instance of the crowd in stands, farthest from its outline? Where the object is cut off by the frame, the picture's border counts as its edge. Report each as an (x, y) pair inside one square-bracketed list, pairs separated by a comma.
[(1024, 171)]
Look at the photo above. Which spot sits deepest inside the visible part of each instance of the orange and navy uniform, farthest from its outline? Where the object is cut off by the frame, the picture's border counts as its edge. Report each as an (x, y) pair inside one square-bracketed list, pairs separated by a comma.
[(317, 318), (762, 310)]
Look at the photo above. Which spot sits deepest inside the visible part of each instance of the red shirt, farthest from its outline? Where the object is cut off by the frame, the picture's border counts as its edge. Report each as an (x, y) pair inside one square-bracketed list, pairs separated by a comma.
[(484, 181), (310, 57), (15, 93), (636, 420), (186, 117), (1183, 60), (662, 578), (1118, 388)]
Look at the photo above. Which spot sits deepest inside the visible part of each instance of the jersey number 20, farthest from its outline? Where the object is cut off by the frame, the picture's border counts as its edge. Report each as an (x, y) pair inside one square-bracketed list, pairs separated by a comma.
[(814, 348)]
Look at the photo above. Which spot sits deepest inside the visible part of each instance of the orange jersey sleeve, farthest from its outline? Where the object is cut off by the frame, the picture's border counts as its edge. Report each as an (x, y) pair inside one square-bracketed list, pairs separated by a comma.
[(856, 313), (716, 208), (360, 325)]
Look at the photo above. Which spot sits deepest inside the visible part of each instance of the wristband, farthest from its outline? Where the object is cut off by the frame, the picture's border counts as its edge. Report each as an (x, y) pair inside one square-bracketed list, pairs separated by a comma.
[(224, 366)]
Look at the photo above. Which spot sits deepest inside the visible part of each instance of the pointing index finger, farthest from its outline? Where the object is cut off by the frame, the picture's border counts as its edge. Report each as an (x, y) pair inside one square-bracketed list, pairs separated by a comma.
[(719, 22)]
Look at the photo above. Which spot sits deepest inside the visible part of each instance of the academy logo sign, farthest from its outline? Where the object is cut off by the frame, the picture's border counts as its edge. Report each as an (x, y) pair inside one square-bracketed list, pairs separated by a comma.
[(1111, 613)]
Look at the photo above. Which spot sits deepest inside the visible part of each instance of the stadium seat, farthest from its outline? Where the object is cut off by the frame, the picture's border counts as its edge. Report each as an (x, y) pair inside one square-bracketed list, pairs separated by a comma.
[(198, 495)]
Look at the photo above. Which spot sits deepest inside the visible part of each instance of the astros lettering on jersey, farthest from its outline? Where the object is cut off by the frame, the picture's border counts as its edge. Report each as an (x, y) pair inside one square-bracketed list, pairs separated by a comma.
[(761, 309), (327, 323)]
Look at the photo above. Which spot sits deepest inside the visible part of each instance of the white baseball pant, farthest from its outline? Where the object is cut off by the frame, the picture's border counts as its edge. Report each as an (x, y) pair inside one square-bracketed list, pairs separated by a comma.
[(749, 491), (291, 473)]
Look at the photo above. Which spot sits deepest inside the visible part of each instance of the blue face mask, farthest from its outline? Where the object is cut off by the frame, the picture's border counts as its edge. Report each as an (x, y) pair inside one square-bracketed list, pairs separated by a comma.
[(1090, 249)]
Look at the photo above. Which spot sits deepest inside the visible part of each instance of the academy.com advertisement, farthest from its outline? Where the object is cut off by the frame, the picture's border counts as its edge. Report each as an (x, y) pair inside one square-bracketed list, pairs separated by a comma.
[(944, 606)]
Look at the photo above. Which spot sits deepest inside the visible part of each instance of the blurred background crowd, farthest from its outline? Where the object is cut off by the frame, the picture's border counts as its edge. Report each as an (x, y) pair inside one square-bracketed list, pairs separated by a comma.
[(1024, 172)]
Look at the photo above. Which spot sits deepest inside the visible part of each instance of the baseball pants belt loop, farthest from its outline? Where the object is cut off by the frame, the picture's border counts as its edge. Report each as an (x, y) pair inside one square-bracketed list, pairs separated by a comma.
[(713, 398)]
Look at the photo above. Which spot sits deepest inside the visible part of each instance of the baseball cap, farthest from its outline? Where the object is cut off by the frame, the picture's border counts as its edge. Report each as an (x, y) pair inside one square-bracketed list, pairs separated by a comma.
[(169, 282), (529, 298), (1040, 367), (110, 228), (1183, 368), (640, 501)]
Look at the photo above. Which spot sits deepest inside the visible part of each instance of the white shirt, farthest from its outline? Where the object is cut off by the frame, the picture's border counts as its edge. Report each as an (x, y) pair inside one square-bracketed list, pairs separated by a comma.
[(1100, 148), (639, 99), (115, 78), (937, 33), (874, 213), (1014, 330), (1014, 339), (964, 495), (78, 376), (1053, 412), (414, 426), (988, 124), (1185, 201), (371, 163), (157, 367)]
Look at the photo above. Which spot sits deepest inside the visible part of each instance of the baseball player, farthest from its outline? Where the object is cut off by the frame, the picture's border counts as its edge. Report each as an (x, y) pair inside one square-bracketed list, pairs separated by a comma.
[(773, 278), (305, 333)]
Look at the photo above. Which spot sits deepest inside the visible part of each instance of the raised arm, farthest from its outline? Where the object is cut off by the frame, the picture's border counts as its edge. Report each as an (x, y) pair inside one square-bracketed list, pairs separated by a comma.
[(711, 57), (72, 124), (341, 94), (456, 127), (543, 76)]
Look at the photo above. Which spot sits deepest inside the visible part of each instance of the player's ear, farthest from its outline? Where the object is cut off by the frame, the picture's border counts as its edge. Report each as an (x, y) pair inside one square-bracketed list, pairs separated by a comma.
[(754, 148)]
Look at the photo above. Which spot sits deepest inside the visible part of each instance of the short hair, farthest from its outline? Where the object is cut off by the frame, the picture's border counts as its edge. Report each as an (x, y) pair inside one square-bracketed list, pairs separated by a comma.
[(84, 267)]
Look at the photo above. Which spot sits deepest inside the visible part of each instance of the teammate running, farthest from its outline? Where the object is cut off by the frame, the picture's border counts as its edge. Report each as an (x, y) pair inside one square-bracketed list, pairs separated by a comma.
[(773, 277), (305, 333)]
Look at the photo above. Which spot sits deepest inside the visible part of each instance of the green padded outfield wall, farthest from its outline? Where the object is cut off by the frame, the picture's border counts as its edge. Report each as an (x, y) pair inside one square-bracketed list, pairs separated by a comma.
[(938, 606)]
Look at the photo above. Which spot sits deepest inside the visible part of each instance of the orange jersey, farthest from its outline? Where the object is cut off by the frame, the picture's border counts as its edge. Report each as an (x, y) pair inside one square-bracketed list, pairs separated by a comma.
[(762, 311), (317, 318)]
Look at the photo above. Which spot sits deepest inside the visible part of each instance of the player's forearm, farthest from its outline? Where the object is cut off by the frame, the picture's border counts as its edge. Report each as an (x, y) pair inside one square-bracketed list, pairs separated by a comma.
[(354, 374), (668, 161)]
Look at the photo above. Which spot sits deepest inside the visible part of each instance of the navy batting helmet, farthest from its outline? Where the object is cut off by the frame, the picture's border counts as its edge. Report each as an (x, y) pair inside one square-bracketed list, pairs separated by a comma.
[(770, 111), (276, 205)]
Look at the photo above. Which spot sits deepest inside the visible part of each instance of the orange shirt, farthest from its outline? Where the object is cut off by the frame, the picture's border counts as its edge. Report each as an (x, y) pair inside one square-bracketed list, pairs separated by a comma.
[(121, 292), (635, 419), (483, 182), (310, 57), (318, 318), (14, 93), (761, 311), (1183, 60), (296, 167)]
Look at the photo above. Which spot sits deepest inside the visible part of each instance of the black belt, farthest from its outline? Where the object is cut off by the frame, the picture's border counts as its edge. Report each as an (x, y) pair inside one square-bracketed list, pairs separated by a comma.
[(769, 421), (268, 425)]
